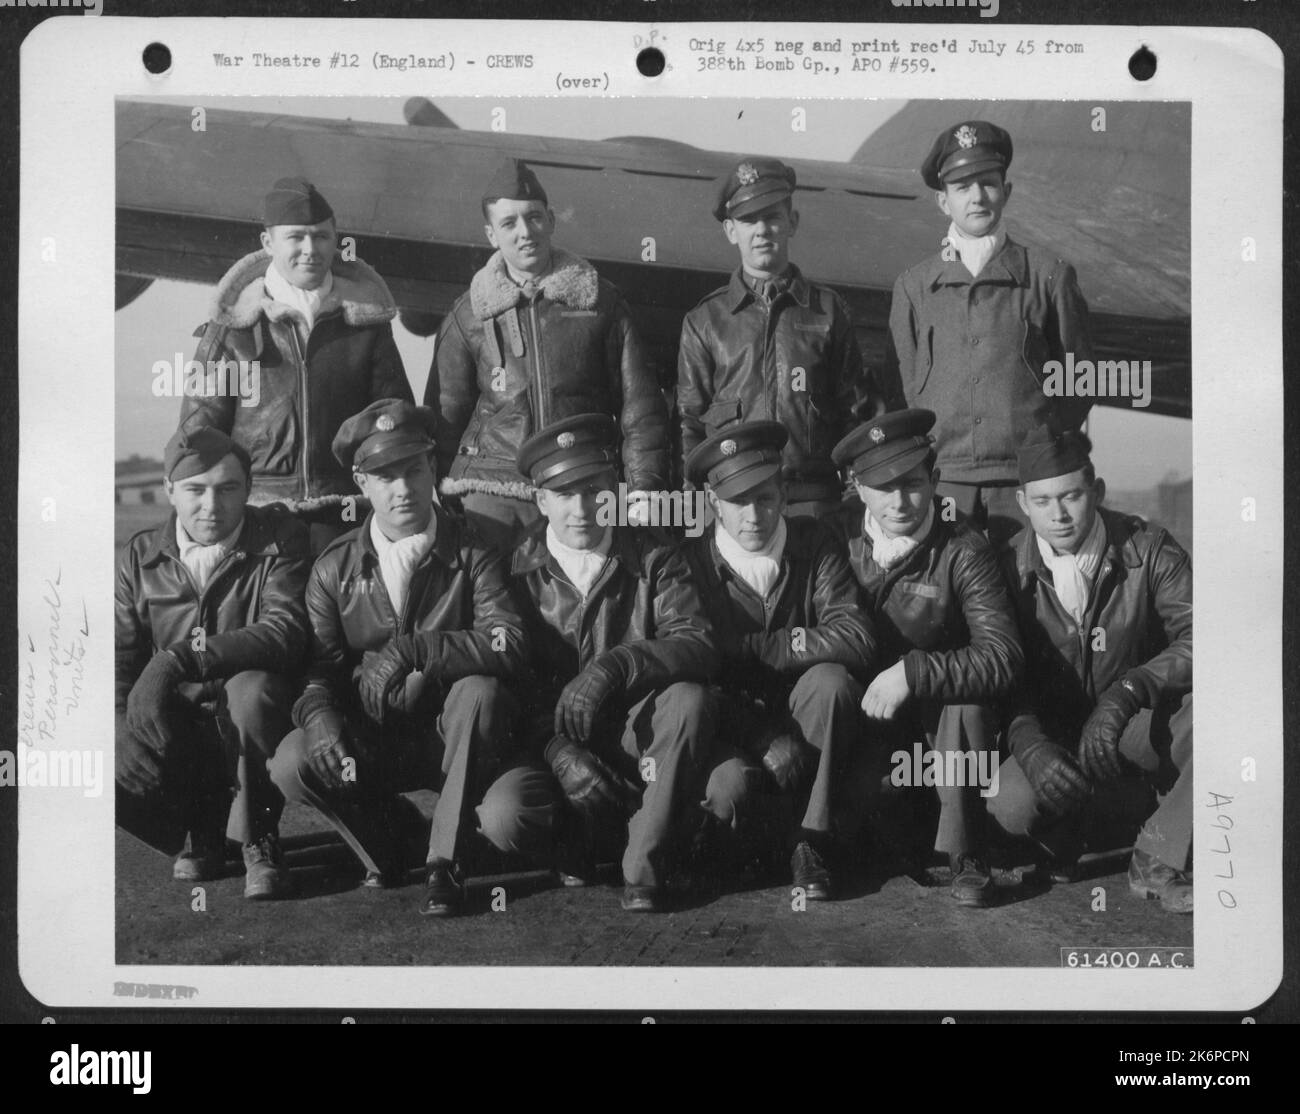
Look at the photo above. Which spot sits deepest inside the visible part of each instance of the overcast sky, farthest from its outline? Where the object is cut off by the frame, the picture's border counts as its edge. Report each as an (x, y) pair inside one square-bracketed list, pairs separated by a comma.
[(1133, 450)]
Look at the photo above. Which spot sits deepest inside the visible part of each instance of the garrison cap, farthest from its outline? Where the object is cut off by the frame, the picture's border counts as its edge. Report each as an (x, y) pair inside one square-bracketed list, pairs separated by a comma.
[(190, 452), (752, 186), (294, 201), (569, 451), (738, 458), (516, 181), (964, 151), (1047, 454), (886, 447), (387, 430)]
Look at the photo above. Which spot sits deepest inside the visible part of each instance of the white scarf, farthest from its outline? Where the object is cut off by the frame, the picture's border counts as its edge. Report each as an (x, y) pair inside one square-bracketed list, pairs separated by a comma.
[(200, 559), (306, 302), (976, 251), (581, 566), (1073, 573), (887, 551), (759, 569), (398, 559)]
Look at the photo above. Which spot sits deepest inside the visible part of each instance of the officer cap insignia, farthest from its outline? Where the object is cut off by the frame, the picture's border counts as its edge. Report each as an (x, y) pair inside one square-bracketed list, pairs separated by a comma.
[(565, 440), (384, 423), (965, 136), (728, 448), (746, 174), (877, 435)]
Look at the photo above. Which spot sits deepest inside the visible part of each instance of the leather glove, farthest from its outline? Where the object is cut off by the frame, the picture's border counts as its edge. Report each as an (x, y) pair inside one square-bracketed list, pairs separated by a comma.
[(146, 707), (327, 745), (138, 769), (1099, 740), (591, 787), (583, 697), (791, 762), (1053, 773), (384, 673)]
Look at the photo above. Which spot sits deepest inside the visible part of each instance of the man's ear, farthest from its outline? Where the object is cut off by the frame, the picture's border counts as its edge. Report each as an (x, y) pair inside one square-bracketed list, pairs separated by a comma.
[(1006, 190), (934, 477), (729, 227), (540, 495), (266, 240), (794, 220), (1022, 502), (941, 199), (491, 234), (711, 498), (1099, 486), (359, 478)]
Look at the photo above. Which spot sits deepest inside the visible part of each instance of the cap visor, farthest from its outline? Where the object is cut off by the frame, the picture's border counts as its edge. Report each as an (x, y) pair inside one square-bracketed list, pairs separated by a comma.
[(746, 480), (759, 202), (883, 471), (964, 170), (391, 453), (571, 477)]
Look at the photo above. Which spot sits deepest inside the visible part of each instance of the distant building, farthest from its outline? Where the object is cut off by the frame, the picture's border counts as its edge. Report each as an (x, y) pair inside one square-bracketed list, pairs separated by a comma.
[(138, 482)]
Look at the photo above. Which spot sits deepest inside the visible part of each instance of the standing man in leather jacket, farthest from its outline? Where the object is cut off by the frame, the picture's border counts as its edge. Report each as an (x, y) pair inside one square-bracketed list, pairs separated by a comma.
[(315, 331), (1105, 607), (414, 642), (539, 336), (933, 590), (796, 647), (210, 637), (621, 653), (771, 345)]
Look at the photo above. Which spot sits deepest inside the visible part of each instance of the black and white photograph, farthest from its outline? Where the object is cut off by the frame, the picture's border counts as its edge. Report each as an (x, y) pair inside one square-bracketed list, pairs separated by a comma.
[(714, 536), (923, 660)]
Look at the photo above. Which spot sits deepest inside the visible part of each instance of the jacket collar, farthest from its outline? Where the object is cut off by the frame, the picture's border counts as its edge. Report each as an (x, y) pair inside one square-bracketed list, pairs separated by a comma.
[(256, 537), (1121, 547), (800, 544), (571, 281), (1011, 264), (358, 292), (739, 294), (531, 553), (446, 544)]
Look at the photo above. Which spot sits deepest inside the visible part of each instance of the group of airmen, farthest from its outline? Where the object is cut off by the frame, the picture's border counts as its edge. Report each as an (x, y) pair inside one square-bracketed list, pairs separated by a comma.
[(358, 596)]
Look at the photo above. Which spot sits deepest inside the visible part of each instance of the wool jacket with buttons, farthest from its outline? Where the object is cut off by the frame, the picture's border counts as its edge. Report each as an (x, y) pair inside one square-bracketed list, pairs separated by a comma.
[(973, 350), (796, 362), (251, 609), (943, 611), (307, 391), (1137, 628), (506, 366)]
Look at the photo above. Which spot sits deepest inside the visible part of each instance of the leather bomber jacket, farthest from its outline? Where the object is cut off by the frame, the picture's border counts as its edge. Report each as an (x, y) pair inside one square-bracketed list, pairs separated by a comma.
[(644, 600), (944, 611), (251, 609), (457, 597), (507, 365), (1141, 603), (738, 361), (815, 593)]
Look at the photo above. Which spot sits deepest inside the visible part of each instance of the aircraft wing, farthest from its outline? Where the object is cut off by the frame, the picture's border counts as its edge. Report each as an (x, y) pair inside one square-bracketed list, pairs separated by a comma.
[(188, 204)]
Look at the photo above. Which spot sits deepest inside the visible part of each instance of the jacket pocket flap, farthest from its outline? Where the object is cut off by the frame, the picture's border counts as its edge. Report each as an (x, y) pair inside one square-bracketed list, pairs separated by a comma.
[(722, 413)]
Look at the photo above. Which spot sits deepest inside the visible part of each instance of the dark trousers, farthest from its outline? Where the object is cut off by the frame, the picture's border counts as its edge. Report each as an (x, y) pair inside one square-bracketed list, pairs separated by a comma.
[(990, 507), (663, 744), (821, 710), (963, 738), (460, 745), (1157, 746), (215, 770)]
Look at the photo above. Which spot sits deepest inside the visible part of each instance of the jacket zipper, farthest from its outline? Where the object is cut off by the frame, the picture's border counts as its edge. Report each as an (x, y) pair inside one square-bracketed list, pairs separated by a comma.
[(302, 396), (536, 326)]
